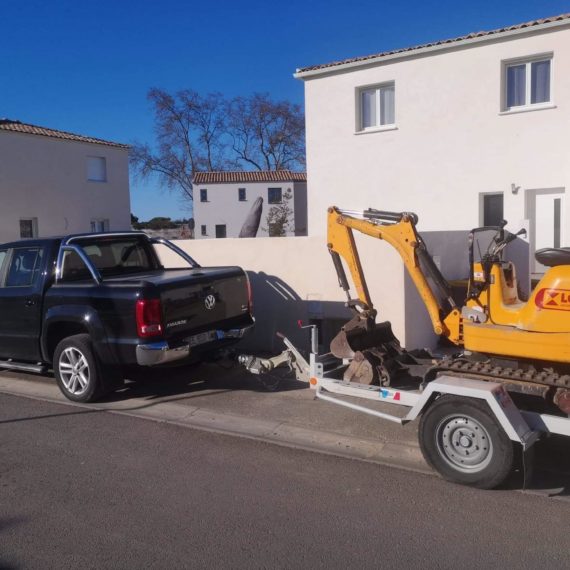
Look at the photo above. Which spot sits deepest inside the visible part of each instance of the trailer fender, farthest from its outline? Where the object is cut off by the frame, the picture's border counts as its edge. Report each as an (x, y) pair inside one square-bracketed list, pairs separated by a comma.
[(497, 398)]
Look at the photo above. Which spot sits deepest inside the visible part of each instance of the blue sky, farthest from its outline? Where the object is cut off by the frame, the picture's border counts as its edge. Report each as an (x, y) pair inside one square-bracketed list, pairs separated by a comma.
[(86, 66)]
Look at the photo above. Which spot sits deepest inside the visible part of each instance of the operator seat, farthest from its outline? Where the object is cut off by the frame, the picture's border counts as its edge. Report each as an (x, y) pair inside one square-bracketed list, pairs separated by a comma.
[(551, 256)]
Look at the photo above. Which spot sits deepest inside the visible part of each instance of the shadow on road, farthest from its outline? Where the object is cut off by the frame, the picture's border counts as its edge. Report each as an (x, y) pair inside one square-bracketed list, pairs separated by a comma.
[(202, 381), (5, 524), (207, 379), (550, 474)]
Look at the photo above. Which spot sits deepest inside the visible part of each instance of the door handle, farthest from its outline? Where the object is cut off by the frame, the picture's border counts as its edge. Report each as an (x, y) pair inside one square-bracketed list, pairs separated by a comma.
[(30, 302)]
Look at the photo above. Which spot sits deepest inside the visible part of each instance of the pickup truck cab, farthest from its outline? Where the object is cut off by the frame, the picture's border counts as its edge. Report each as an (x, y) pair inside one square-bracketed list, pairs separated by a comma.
[(92, 307)]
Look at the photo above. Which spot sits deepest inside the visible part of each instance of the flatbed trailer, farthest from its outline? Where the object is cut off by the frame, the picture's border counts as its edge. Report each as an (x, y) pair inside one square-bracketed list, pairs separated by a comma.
[(468, 429)]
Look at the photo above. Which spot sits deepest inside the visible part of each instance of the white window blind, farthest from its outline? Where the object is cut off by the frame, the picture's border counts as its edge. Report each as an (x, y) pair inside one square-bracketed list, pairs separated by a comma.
[(96, 169)]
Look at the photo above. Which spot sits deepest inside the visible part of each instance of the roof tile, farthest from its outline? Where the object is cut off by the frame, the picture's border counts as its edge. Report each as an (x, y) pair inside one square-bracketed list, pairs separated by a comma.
[(19, 127), (437, 43), (224, 177)]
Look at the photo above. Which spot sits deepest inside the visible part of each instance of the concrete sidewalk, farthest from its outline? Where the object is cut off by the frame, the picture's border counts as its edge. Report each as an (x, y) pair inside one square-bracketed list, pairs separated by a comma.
[(229, 400)]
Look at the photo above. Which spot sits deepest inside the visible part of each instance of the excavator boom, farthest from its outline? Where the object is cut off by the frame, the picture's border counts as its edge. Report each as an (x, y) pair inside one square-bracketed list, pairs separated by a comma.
[(399, 230)]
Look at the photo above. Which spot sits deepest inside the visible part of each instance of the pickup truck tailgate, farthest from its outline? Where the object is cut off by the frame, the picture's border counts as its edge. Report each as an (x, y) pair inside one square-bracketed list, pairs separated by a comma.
[(205, 299)]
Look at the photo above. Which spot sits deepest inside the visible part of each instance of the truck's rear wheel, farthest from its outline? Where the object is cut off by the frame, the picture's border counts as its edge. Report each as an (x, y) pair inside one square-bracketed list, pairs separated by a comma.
[(463, 441), (76, 369)]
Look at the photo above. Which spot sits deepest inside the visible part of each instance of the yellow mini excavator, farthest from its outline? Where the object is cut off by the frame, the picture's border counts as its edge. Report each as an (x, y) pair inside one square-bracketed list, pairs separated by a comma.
[(523, 344)]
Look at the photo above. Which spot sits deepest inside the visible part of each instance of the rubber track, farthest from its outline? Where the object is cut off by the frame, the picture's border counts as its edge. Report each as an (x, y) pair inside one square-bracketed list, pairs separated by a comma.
[(546, 377)]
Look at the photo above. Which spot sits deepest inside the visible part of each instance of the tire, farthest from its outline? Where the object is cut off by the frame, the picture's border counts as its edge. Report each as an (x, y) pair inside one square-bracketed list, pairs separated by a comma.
[(463, 441), (77, 369)]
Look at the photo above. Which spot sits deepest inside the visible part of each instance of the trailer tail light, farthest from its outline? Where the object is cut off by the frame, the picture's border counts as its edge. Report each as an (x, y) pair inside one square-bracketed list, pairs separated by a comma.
[(149, 318)]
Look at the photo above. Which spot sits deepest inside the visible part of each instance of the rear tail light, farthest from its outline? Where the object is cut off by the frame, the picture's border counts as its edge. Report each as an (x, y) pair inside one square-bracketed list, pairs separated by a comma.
[(249, 294), (149, 318)]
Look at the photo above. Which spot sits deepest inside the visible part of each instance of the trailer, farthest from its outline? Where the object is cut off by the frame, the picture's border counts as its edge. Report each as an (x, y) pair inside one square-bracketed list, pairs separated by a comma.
[(468, 428)]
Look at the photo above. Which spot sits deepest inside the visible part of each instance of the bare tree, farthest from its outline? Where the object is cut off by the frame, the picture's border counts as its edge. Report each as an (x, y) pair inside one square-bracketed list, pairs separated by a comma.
[(190, 130), (267, 134), (280, 218)]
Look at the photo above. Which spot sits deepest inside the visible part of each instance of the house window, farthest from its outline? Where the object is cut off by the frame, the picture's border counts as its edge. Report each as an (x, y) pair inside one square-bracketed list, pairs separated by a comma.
[(96, 169), (28, 228), (527, 83), (241, 194), (99, 226), (492, 209), (203, 195), (377, 106), (203, 230), (221, 231), (274, 195)]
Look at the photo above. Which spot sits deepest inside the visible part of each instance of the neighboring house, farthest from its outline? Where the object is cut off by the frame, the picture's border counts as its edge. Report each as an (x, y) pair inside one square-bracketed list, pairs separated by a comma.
[(223, 201), (53, 182), (464, 132)]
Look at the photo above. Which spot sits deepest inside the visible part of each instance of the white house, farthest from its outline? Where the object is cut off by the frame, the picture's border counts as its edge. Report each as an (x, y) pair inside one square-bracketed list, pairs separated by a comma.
[(463, 132), (224, 200), (54, 183)]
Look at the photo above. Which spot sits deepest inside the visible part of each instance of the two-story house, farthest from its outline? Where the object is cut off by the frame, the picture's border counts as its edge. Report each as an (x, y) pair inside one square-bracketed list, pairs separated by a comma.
[(54, 182), (464, 132), (224, 201)]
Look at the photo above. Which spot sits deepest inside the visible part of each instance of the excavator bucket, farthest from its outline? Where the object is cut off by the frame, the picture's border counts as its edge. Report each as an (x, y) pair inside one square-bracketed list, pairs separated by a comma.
[(361, 334)]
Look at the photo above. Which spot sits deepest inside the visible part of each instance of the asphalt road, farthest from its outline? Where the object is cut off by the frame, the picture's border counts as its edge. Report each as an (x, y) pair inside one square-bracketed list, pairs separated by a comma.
[(89, 489)]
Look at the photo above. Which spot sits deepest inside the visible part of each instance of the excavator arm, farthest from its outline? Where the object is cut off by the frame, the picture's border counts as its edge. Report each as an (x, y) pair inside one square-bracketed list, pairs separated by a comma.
[(399, 230)]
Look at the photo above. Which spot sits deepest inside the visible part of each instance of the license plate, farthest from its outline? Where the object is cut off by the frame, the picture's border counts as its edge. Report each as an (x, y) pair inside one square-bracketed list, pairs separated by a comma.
[(202, 338)]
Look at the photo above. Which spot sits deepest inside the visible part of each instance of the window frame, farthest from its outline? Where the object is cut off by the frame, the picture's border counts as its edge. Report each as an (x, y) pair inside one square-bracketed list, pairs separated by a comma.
[(103, 180), (527, 61), (359, 128), (34, 227), (225, 226), (280, 193), (482, 197), (203, 195), (106, 225), (240, 190), (203, 229)]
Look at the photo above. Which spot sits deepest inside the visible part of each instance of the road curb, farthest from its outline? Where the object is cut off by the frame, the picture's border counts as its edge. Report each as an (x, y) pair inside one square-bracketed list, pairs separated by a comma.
[(395, 454)]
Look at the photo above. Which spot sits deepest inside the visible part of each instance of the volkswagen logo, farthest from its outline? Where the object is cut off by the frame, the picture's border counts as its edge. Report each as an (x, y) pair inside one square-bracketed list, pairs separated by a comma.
[(210, 302)]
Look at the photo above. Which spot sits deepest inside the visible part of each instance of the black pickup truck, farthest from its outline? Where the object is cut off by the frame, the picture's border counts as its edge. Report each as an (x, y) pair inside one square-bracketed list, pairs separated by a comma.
[(94, 307)]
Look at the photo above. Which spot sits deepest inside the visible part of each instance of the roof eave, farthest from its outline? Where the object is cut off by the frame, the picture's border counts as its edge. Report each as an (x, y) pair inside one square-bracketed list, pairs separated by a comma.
[(110, 144), (312, 73)]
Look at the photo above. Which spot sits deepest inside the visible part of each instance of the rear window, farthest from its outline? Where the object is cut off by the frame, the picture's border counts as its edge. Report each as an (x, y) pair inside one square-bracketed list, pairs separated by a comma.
[(119, 256), (24, 267)]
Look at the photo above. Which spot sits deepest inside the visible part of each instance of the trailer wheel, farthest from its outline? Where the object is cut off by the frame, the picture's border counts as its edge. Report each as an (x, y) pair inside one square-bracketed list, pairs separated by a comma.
[(463, 441)]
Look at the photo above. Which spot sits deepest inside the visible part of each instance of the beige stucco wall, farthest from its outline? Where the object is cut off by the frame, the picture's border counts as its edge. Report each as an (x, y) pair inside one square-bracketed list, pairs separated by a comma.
[(46, 178), (224, 208), (451, 143), (293, 278)]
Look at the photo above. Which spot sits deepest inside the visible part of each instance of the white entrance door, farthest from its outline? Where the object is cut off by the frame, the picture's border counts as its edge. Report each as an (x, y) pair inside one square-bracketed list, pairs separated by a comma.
[(547, 223)]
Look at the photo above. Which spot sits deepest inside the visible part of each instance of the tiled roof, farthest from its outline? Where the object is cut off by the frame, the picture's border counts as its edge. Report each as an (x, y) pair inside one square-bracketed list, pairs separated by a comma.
[(470, 36), (249, 176), (19, 127)]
